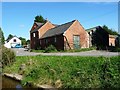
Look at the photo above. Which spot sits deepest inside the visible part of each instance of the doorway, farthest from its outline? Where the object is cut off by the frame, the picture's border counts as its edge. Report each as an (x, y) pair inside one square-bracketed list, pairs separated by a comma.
[(76, 41)]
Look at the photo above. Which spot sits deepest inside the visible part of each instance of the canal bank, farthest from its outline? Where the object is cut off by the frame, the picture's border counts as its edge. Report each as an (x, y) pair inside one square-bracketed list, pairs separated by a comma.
[(13, 81), (68, 71)]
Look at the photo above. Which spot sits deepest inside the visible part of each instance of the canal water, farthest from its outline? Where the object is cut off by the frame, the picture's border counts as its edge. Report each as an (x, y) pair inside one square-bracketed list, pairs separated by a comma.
[(11, 84)]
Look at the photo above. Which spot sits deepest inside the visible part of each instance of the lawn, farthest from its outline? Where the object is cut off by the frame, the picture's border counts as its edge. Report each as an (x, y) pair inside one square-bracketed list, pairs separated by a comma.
[(69, 71)]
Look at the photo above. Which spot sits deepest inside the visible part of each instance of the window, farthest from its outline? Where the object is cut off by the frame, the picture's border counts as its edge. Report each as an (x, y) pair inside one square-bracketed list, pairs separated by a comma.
[(14, 40), (55, 39), (34, 26), (46, 41), (33, 34)]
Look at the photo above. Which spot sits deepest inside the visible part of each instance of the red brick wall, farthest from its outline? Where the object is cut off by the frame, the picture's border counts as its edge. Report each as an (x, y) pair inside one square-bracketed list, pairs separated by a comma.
[(48, 25), (34, 43), (76, 29), (34, 26), (58, 43)]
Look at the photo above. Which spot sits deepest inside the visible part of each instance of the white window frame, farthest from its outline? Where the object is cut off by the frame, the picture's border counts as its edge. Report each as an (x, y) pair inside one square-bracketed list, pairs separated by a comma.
[(33, 34)]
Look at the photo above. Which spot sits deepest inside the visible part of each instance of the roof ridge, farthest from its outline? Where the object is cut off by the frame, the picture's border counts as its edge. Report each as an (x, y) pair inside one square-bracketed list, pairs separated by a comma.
[(63, 24), (93, 27), (60, 29)]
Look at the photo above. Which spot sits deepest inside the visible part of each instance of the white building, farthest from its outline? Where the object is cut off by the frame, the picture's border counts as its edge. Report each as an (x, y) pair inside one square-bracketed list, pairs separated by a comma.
[(12, 42)]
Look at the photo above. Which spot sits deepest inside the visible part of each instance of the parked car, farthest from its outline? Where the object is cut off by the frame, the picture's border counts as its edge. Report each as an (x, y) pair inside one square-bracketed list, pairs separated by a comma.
[(18, 46)]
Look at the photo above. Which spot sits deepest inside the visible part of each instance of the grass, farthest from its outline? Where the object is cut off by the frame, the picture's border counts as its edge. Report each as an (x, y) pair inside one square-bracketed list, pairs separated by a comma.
[(81, 49), (73, 50), (69, 71)]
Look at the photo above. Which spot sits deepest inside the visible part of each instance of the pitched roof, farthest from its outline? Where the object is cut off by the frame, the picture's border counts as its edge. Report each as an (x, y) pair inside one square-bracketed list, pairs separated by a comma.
[(39, 24), (37, 28), (93, 28), (112, 36), (11, 38), (58, 29)]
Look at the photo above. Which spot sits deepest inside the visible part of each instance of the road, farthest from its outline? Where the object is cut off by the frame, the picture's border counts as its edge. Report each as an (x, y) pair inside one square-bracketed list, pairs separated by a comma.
[(96, 53)]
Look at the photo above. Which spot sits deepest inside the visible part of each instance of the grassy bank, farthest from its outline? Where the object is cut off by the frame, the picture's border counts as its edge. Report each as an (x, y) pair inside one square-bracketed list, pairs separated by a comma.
[(68, 71)]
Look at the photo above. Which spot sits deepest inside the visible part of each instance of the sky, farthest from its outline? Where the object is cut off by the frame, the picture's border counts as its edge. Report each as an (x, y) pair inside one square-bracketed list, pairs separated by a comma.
[(18, 17)]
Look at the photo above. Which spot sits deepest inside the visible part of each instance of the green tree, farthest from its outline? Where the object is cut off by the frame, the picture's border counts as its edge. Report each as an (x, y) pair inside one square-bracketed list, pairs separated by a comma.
[(23, 40), (110, 31), (39, 19), (2, 39), (28, 41), (10, 36)]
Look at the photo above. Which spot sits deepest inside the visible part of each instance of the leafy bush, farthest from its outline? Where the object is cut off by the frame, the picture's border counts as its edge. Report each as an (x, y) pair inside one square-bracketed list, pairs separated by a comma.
[(50, 48), (115, 50), (8, 56), (80, 50), (110, 31)]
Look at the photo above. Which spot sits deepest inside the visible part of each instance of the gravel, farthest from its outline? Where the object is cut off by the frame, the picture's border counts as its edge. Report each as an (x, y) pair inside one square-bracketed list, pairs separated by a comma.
[(96, 53)]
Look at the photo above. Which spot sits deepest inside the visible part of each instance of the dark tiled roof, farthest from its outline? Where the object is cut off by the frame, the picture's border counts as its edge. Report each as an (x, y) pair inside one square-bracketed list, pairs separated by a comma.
[(11, 38), (39, 26), (58, 29), (55, 24)]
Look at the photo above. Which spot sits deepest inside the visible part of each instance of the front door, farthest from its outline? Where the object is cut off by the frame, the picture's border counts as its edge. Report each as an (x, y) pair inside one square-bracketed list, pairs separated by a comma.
[(76, 41)]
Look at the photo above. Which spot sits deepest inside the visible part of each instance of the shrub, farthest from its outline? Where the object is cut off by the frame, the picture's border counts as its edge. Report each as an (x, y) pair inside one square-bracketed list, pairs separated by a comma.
[(50, 48), (8, 56)]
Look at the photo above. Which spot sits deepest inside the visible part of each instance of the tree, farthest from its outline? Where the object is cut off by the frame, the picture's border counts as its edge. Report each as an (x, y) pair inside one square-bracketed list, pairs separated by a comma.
[(110, 31), (9, 36), (23, 40), (100, 38), (2, 39), (39, 19), (28, 41)]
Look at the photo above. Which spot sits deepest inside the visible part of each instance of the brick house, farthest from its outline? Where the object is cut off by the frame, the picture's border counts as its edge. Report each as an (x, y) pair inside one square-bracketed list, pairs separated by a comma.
[(98, 37), (36, 32), (70, 35)]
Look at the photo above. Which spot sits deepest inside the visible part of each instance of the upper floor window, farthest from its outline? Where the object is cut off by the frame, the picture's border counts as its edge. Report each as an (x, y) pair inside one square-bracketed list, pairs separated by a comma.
[(33, 34), (34, 26), (14, 40)]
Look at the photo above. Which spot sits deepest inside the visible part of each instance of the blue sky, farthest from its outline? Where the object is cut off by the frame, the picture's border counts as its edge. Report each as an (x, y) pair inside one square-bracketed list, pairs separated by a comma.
[(18, 17)]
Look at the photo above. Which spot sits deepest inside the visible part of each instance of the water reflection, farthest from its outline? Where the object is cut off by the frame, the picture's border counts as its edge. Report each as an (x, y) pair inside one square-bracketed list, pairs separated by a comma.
[(11, 84)]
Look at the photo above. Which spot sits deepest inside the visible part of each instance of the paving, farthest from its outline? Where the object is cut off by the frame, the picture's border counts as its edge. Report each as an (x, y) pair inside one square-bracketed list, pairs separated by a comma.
[(96, 53)]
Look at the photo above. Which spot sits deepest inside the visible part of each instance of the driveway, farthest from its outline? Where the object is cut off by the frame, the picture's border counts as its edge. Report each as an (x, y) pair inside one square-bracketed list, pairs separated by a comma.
[(22, 52)]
